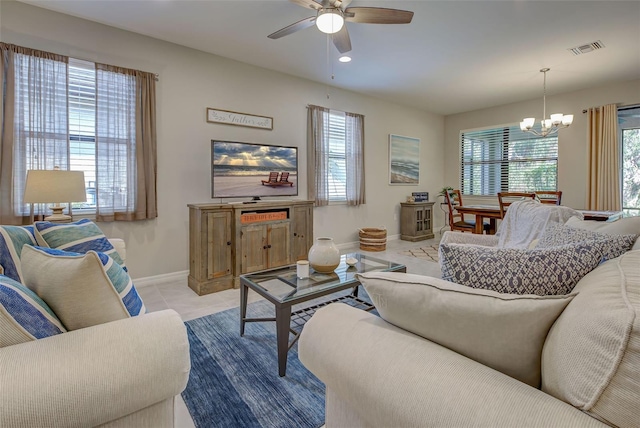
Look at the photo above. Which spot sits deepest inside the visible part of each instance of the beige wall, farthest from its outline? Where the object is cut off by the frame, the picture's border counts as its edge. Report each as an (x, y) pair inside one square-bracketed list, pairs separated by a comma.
[(572, 150), (189, 82)]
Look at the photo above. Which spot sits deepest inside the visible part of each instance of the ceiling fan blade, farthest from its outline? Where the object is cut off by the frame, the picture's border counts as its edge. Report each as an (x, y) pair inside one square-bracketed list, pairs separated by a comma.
[(377, 15), (300, 25), (342, 41), (308, 3)]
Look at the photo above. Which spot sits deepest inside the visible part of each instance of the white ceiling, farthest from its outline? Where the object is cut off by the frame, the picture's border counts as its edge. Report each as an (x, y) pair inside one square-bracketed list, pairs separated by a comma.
[(455, 56)]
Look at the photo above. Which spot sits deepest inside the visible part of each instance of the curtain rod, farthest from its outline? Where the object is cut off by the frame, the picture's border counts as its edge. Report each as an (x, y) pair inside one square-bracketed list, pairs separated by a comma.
[(620, 107), (157, 76)]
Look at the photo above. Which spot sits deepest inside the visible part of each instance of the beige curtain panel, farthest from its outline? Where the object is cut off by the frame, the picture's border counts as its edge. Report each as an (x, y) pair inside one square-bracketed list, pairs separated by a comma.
[(603, 180), (355, 158), (126, 154), (317, 155)]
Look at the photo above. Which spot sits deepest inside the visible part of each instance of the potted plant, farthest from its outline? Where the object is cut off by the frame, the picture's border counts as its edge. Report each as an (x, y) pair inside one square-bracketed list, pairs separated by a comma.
[(446, 189)]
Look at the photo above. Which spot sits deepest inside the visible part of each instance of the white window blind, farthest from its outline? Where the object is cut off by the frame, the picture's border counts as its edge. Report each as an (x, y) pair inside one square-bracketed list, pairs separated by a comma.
[(82, 125), (507, 159), (336, 134)]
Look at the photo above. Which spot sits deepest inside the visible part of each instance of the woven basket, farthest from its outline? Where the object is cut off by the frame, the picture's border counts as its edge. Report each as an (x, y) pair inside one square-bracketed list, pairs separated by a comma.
[(373, 239)]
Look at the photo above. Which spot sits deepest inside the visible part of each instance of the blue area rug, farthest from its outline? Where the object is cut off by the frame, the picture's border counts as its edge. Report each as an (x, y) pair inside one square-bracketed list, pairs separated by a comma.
[(234, 380)]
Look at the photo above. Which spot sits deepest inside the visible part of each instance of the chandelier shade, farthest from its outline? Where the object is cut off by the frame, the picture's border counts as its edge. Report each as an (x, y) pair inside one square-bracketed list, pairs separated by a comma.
[(549, 126)]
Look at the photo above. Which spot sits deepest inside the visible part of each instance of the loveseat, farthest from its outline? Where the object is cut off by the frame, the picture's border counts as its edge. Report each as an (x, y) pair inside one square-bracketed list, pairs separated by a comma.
[(444, 354), (121, 373)]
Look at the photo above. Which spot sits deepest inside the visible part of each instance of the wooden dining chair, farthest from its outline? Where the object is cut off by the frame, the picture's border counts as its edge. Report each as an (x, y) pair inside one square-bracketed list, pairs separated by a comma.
[(549, 196), (507, 198), (456, 219)]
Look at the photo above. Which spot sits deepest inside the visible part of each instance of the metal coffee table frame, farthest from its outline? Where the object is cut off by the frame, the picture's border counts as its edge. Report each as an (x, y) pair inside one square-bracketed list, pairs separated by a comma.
[(284, 317)]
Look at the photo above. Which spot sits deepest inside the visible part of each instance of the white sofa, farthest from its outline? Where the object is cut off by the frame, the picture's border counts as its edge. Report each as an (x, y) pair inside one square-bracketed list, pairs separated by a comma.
[(124, 373), (380, 375)]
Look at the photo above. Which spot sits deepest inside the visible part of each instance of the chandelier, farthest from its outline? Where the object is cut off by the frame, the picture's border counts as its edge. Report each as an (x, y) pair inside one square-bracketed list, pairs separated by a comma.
[(549, 126)]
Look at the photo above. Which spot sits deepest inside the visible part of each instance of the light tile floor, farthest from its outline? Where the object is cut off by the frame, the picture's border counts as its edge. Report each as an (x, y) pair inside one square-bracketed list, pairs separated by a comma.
[(179, 297)]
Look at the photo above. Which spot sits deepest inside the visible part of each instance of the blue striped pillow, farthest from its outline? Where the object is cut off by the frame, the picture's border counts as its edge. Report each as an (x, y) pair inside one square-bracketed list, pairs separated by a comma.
[(83, 289), (79, 237), (12, 238), (23, 315)]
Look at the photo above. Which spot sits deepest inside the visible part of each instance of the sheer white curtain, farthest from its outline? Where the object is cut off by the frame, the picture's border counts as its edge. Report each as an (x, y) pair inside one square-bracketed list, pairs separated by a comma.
[(354, 124), (35, 94)]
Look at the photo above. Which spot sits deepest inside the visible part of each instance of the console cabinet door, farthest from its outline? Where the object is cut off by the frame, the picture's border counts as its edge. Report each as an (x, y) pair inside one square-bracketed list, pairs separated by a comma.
[(219, 260), (278, 244), (254, 248), (302, 238)]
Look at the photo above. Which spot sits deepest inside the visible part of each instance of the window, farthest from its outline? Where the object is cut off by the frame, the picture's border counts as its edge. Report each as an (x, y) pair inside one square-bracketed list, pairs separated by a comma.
[(78, 115), (82, 127), (629, 124), (336, 156), (337, 179), (507, 159)]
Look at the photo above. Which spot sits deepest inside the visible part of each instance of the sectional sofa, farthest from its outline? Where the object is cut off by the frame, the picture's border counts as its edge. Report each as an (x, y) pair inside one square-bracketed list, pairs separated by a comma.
[(443, 354)]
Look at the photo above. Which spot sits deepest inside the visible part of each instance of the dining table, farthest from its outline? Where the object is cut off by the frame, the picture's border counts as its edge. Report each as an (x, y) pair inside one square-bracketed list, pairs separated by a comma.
[(492, 213)]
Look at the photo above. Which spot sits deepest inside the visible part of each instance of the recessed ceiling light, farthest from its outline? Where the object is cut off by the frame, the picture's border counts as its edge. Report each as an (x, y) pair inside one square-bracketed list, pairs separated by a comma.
[(344, 58)]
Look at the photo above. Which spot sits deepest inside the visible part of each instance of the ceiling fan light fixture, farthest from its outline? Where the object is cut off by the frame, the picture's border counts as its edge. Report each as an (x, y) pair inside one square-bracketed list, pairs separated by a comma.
[(345, 58), (329, 21)]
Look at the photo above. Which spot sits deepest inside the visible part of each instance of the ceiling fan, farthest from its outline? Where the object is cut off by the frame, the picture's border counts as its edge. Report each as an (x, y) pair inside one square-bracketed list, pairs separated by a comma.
[(332, 14)]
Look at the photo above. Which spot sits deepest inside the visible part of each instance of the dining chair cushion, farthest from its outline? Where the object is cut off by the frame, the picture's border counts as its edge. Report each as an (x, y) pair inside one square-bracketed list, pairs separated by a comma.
[(544, 271), (615, 245), (503, 331)]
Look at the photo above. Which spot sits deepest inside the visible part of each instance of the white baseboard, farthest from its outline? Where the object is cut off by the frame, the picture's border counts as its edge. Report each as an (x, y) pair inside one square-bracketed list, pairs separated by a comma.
[(165, 277), (182, 275)]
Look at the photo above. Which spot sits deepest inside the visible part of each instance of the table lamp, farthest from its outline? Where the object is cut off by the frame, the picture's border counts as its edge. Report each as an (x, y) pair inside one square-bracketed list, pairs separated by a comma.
[(55, 186)]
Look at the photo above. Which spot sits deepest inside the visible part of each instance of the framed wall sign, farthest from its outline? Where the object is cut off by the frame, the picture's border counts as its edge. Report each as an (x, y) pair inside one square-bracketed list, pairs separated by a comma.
[(404, 160), (228, 117)]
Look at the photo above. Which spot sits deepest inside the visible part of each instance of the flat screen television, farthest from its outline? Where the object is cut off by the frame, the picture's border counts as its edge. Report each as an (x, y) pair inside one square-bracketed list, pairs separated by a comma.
[(240, 170)]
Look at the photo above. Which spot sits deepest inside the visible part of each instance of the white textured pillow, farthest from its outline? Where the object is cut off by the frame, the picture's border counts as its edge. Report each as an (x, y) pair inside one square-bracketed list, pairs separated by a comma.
[(591, 358), (82, 289), (623, 226), (503, 331)]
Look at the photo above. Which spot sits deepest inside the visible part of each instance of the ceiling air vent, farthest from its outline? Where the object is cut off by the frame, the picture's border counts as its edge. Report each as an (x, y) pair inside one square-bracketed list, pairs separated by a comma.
[(583, 49)]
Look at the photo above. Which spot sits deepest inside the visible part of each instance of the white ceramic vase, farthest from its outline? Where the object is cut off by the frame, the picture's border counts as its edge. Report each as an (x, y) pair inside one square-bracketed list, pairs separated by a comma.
[(324, 256)]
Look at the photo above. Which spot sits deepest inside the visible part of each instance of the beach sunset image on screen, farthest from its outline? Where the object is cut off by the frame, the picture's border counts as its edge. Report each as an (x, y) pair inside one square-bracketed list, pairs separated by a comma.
[(253, 170)]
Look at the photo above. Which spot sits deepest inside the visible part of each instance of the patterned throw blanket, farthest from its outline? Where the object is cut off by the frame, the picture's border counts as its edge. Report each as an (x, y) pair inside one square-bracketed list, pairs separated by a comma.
[(527, 220)]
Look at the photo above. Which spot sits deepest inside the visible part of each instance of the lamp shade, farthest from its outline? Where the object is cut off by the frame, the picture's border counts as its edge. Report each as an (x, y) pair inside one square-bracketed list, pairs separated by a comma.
[(45, 186)]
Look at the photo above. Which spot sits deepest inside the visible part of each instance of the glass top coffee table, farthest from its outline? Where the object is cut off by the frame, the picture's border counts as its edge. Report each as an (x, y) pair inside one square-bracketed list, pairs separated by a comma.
[(283, 288)]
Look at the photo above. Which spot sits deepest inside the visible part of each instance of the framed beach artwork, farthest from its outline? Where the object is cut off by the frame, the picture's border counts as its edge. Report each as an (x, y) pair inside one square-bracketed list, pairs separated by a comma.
[(404, 160)]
